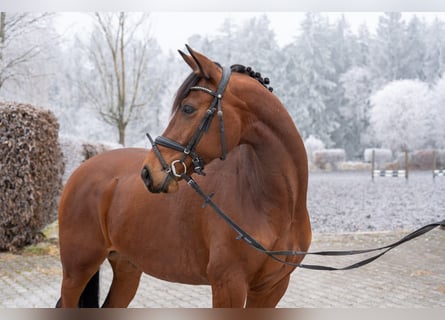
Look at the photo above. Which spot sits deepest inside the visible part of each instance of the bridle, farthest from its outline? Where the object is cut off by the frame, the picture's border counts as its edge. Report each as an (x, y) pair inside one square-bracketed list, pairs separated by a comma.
[(190, 149)]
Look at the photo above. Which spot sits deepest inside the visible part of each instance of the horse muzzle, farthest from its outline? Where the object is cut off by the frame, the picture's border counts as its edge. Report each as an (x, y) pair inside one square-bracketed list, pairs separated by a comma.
[(157, 183)]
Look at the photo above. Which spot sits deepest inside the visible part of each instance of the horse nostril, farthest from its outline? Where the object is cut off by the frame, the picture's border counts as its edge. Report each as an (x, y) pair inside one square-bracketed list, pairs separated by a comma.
[(146, 177)]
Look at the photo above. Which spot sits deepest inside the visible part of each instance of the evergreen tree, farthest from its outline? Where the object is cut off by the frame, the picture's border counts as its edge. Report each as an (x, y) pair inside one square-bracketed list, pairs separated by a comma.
[(361, 54), (309, 58), (251, 43), (437, 130), (343, 45), (257, 47), (221, 46), (387, 49), (415, 50), (434, 60), (356, 83)]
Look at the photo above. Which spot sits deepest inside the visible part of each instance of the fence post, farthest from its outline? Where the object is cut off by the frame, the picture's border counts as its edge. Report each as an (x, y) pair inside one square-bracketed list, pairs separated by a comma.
[(434, 165), (406, 164)]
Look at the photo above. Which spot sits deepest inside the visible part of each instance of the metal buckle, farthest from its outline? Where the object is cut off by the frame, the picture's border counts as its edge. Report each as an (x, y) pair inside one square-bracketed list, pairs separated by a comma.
[(173, 166)]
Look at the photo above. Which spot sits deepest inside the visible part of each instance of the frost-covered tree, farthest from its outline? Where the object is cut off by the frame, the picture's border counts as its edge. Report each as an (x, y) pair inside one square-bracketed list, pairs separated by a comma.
[(387, 49), (362, 47), (343, 44), (434, 60), (257, 47), (343, 47), (402, 115), (287, 86), (223, 44), (70, 102), (311, 145), (123, 58), (172, 72), (310, 80), (201, 43), (26, 40), (438, 128), (354, 111), (415, 50), (251, 43)]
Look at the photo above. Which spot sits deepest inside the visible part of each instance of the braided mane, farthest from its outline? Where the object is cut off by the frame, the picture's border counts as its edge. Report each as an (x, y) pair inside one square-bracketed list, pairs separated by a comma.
[(256, 75)]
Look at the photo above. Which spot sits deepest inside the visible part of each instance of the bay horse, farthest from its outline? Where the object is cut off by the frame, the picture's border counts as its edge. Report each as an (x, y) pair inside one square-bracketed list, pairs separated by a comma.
[(133, 207)]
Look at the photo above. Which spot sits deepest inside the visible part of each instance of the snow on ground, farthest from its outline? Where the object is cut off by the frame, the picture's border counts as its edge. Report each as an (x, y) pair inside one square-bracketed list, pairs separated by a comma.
[(350, 201)]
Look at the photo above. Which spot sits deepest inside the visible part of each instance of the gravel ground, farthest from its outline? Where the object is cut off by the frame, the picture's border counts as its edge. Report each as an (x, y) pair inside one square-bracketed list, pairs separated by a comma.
[(409, 277), (351, 201)]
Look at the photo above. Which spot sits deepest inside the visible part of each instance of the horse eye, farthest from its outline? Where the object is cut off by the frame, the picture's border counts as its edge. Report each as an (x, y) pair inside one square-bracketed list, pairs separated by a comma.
[(188, 109)]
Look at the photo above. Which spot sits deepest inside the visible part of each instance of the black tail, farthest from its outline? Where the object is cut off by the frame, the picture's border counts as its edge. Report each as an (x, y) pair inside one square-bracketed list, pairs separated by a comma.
[(90, 295)]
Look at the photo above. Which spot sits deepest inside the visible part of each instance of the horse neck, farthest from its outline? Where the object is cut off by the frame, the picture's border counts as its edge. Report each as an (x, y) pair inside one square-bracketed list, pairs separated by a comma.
[(272, 133), (279, 151)]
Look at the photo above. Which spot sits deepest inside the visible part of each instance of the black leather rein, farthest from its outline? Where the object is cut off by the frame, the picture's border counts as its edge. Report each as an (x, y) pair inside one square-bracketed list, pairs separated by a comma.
[(277, 254)]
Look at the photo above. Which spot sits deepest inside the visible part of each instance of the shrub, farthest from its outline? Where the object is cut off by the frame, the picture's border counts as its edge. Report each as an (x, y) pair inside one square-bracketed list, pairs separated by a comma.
[(440, 159), (31, 169), (328, 159), (72, 151), (313, 144), (382, 156), (75, 151), (92, 149), (353, 166), (424, 159)]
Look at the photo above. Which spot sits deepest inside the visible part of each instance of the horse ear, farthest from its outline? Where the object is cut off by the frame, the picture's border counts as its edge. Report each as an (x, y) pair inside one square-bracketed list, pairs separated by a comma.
[(200, 64), (189, 60)]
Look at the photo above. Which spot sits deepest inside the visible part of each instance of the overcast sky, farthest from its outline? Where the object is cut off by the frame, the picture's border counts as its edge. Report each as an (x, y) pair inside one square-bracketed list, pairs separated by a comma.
[(172, 29), (226, 5)]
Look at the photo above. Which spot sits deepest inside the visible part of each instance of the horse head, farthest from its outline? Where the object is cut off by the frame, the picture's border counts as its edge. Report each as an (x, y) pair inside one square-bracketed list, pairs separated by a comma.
[(196, 133)]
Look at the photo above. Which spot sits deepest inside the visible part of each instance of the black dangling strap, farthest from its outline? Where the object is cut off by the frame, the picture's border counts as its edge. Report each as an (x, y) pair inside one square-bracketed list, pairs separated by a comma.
[(221, 131)]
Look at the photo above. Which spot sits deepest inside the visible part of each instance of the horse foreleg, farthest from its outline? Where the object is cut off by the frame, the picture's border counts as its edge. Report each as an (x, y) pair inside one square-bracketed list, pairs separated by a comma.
[(126, 277), (266, 296), (78, 270), (73, 285), (229, 289)]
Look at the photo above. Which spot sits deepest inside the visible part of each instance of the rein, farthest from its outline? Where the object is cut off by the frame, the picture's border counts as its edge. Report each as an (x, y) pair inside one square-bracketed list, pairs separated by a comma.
[(242, 234)]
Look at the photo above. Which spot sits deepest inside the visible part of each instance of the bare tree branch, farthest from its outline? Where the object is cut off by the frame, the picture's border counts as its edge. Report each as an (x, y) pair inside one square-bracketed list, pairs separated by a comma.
[(118, 54), (15, 30)]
